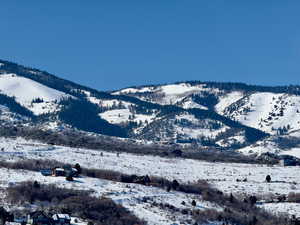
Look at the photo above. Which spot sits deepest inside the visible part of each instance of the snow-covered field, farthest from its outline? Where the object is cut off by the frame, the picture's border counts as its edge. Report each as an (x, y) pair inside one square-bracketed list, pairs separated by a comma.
[(283, 208), (130, 196), (224, 176)]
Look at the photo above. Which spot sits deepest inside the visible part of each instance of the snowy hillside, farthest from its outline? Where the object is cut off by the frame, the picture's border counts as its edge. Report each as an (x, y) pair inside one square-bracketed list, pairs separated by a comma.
[(209, 114), (228, 99), (6, 116), (186, 128), (273, 113), (33, 95), (274, 110)]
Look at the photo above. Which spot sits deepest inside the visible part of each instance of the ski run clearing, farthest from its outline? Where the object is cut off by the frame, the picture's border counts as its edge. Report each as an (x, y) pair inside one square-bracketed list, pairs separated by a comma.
[(223, 176)]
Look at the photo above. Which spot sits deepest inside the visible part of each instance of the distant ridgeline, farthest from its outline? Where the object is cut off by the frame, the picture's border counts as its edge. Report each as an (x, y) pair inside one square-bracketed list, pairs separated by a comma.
[(191, 116)]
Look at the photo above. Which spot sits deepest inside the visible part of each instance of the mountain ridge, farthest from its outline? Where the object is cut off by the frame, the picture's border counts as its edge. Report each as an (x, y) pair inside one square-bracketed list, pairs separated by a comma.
[(196, 111)]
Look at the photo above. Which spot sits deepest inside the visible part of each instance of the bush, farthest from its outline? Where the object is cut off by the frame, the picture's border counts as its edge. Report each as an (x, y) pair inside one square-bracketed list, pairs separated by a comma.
[(100, 211), (69, 178), (228, 216), (194, 203), (268, 178), (31, 164), (27, 192), (78, 168)]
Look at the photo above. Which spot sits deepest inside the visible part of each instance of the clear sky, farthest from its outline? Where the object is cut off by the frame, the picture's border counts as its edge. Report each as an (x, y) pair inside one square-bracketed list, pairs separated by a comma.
[(113, 44)]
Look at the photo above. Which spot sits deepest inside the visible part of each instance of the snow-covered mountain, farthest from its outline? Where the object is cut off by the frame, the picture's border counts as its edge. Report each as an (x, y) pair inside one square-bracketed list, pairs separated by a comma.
[(273, 110), (266, 108), (207, 114)]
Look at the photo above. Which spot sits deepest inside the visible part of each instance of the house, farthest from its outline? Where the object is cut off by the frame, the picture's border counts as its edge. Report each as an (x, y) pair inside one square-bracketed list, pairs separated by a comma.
[(66, 171), (57, 172), (39, 218), (61, 219)]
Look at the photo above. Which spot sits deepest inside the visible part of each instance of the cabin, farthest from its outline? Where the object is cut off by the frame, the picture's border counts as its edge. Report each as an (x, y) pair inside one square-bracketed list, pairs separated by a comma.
[(58, 172), (39, 218), (66, 171), (61, 219)]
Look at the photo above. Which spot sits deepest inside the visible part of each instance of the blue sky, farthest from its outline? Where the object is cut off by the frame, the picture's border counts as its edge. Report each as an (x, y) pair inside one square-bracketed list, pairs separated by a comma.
[(113, 44)]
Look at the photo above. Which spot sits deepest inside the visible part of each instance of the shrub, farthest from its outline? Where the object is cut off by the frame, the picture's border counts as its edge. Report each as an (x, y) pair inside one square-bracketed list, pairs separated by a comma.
[(69, 178), (252, 217), (27, 192), (175, 184), (78, 168), (99, 211), (36, 184), (252, 200), (268, 178), (194, 203)]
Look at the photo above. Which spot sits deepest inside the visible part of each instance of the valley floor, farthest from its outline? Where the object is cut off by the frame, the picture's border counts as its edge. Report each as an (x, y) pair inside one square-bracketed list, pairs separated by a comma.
[(227, 177)]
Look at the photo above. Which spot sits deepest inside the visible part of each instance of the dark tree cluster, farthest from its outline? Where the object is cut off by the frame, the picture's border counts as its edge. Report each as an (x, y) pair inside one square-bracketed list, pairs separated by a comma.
[(84, 115)]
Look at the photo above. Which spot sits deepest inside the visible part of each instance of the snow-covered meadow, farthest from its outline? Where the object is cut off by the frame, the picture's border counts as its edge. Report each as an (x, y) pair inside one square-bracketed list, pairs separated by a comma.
[(128, 195), (131, 196), (225, 176)]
